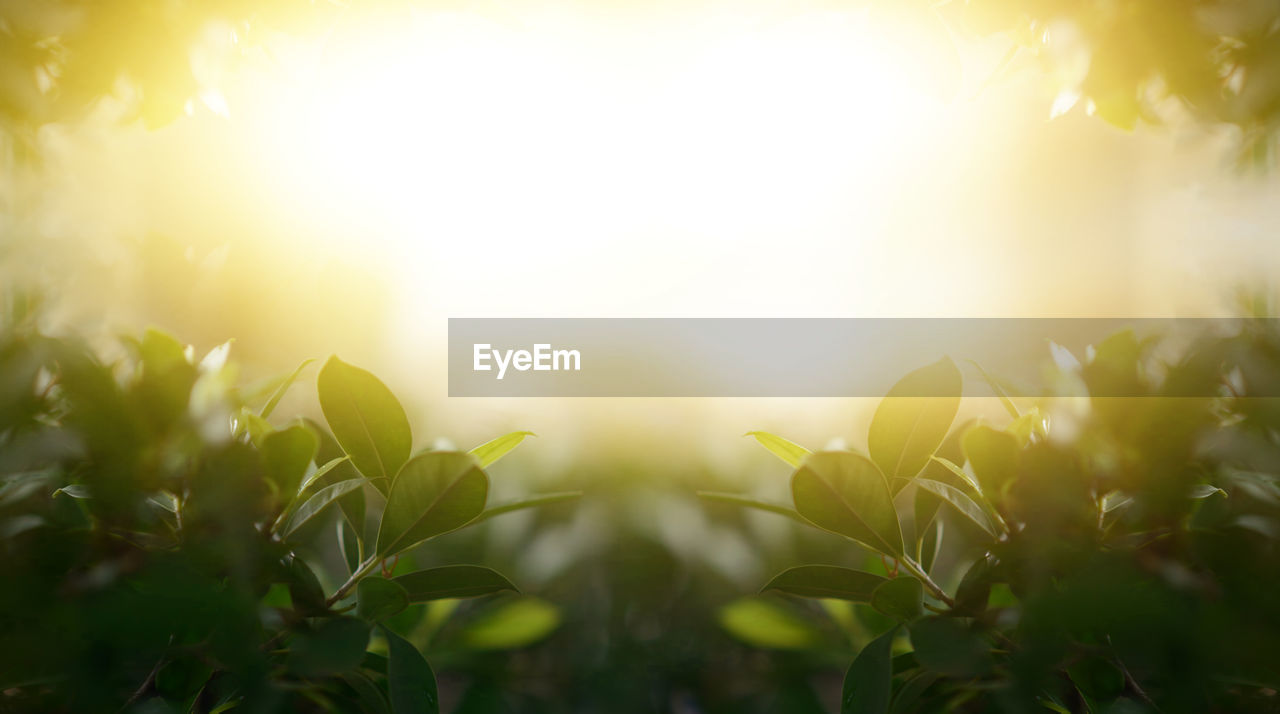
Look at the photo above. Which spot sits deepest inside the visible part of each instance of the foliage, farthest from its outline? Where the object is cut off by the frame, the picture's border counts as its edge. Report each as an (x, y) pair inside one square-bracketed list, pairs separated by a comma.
[(1125, 60), (167, 548), (1122, 556)]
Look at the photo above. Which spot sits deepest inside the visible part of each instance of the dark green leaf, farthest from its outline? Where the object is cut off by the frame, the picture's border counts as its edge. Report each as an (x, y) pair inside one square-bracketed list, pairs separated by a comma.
[(452, 581), (962, 503), (912, 420), (377, 599), (335, 645), (869, 680), (949, 646), (286, 454), (434, 493), (317, 503), (410, 681), (365, 418), (900, 598), (992, 455), (845, 493), (826, 581)]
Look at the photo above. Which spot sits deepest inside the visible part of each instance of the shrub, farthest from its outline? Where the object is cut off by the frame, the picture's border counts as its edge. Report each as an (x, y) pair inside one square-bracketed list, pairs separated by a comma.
[(1119, 557), (164, 545)]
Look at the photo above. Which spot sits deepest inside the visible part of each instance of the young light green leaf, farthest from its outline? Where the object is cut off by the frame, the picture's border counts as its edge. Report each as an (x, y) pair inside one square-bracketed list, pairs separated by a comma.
[(75, 490), (280, 391), (452, 581), (286, 454), (317, 503), (434, 493), (900, 598), (490, 451), (512, 624), (763, 623), (869, 681), (912, 420), (826, 581), (748, 502), (845, 493), (365, 418), (789, 451), (960, 502), (378, 598), (410, 681), (545, 499)]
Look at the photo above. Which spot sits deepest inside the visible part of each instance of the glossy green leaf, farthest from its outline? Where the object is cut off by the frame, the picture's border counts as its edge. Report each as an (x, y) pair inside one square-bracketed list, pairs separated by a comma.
[(75, 490), (490, 451), (763, 623), (900, 598), (378, 598), (826, 581), (868, 683), (509, 625), (1204, 490), (410, 681), (274, 400), (789, 451), (956, 471), (304, 587), (960, 502), (913, 419), (286, 455), (365, 418), (434, 493), (316, 504), (323, 471), (845, 493), (931, 544), (452, 581)]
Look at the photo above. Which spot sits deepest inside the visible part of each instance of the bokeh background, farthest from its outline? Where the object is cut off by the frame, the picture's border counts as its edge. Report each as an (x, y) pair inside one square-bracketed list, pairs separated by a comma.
[(344, 178)]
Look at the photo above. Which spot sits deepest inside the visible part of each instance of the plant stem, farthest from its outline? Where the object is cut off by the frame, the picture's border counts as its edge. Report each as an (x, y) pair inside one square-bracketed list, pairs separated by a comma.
[(360, 572), (931, 586)]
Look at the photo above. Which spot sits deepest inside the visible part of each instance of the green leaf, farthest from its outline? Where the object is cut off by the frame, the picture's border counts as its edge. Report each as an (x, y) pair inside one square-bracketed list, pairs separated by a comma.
[(305, 591), (335, 645), (370, 696), (845, 493), (287, 454), (763, 623), (1204, 490), (747, 502), (960, 502), (869, 680), (322, 472), (948, 646), (317, 503), (280, 391), (789, 451), (512, 624), (956, 471), (366, 419), (826, 581), (900, 598), (434, 493), (931, 544), (410, 681), (998, 390), (75, 490), (378, 598), (490, 451), (992, 455), (912, 420), (545, 499), (452, 581)]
